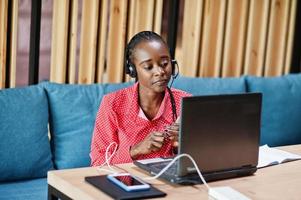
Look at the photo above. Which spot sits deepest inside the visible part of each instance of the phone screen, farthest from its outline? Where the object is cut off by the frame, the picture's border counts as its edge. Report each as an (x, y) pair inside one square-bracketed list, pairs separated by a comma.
[(128, 180)]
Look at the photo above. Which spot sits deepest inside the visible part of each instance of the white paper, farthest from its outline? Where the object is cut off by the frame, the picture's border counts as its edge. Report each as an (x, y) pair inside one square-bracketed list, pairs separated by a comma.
[(272, 156), (153, 160)]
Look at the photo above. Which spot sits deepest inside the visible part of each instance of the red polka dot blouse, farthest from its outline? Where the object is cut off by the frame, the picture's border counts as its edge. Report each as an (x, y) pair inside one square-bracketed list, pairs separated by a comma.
[(119, 120)]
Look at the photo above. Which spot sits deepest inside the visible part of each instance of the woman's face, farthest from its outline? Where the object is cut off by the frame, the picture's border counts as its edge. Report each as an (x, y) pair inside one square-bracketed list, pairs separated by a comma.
[(153, 65)]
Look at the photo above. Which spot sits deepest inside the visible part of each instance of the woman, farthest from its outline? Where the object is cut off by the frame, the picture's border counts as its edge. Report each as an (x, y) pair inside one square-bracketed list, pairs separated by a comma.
[(136, 118)]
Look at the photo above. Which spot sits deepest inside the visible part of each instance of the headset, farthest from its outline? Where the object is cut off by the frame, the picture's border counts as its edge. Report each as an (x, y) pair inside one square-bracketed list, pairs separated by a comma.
[(130, 69)]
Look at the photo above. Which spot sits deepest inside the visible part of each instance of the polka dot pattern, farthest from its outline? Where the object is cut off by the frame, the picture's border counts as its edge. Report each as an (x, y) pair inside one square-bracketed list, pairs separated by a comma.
[(118, 120)]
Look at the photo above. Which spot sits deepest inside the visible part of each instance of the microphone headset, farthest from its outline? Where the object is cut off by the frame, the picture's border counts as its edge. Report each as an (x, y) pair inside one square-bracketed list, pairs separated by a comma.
[(130, 69)]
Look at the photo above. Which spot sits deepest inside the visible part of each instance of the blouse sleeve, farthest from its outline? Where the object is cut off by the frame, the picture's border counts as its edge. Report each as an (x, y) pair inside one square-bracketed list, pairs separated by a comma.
[(105, 132)]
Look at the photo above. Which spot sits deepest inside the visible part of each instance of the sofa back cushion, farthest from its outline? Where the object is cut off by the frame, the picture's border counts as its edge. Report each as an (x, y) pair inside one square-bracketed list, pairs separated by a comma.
[(281, 108), (210, 86), (24, 142), (73, 110)]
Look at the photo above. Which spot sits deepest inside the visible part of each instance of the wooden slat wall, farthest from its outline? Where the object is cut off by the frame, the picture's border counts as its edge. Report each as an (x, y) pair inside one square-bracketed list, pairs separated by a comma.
[(212, 40), (234, 37), (13, 43), (277, 35), (237, 37), (191, 37), (116, 40), (102, 40), (59, 41), (256, 37), (3, 36), (220, 38), (72, 42), (88, 42), (289, 45)]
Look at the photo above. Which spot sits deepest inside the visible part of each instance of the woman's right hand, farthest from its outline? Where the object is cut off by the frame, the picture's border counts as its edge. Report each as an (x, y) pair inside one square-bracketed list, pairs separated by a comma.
[(152, 143)]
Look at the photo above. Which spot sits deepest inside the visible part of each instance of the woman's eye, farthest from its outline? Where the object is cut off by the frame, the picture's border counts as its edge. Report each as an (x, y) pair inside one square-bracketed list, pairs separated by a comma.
[(164, 64), (148, 67)]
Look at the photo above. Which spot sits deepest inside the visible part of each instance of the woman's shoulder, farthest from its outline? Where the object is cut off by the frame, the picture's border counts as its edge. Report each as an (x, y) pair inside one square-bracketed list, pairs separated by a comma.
[(180, 93), (118, 96)]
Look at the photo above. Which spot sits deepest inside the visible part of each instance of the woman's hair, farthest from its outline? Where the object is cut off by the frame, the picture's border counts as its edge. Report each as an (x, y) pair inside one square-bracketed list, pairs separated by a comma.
[(136, 39)]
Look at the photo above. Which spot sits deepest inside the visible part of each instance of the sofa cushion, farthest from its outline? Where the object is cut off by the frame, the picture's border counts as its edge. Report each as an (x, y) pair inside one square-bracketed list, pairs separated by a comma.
[(73, 110), (281, 108), (209, 86), (35, 189), (24, 143)]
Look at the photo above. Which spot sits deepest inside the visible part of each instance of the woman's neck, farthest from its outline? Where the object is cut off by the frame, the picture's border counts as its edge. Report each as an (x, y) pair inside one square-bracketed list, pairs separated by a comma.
[(150, 102)]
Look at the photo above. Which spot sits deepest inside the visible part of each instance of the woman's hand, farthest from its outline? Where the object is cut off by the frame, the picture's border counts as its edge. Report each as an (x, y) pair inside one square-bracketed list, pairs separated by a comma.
[(173, 133), (152, 143)]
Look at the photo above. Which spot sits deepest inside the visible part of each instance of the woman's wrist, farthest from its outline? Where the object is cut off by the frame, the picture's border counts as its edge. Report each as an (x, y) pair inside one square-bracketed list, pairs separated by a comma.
[(134, 152)]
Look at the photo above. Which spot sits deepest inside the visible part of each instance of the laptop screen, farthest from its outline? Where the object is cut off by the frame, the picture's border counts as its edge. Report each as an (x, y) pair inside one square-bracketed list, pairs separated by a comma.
[(221, 132)]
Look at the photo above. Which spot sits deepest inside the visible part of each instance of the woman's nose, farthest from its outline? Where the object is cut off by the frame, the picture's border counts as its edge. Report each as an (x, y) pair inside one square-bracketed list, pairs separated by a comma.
[(159, 70)]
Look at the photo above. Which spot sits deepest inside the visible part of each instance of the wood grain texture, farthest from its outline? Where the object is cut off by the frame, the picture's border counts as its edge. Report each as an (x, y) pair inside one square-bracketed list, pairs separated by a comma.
[(116, 40), (212, 38), (266, 183), (235, 33), (256, 37), (277, 38), (192, 25), (59, 42), (13, 43), (3, 40), (102, 41), (290, 37), (88, 42), (72, 42)]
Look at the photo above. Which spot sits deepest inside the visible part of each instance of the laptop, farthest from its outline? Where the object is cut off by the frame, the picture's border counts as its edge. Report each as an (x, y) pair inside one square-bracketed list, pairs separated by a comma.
[(220, 132)]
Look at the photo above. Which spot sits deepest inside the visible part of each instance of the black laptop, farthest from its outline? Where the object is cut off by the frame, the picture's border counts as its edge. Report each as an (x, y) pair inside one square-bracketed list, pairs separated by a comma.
[(221, 133)]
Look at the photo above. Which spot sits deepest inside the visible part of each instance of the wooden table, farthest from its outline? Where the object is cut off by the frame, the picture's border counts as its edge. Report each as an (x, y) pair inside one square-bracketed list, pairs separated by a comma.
[(276, 182)]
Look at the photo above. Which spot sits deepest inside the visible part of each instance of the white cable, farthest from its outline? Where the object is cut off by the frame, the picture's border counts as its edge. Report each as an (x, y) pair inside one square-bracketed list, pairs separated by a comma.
[(172, 162), (108, 158)]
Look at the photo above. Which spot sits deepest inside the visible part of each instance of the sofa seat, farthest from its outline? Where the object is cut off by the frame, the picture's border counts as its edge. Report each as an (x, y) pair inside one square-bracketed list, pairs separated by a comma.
[(27, 189)]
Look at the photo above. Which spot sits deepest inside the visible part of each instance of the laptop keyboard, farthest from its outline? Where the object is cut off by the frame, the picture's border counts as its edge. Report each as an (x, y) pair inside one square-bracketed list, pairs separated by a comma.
[(172, 170)]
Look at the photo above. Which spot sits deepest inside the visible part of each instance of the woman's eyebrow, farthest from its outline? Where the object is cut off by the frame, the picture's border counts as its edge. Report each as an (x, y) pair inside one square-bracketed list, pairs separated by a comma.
[(144, 61), (164, 56)]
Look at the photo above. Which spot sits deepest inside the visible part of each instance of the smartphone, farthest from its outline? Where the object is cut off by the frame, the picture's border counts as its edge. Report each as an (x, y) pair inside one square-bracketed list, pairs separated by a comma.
[(128, 182)]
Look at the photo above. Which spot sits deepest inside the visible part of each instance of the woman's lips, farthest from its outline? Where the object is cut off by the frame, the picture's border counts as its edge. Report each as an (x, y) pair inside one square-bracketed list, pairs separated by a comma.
[(161, 82)]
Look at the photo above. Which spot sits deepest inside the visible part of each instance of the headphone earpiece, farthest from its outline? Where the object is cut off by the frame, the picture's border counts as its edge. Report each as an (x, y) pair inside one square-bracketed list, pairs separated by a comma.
[(131, 70), (174, 65)]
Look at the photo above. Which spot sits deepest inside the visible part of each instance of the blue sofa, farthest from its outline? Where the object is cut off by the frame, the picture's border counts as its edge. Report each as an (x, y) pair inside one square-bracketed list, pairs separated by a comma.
[(67, 112)]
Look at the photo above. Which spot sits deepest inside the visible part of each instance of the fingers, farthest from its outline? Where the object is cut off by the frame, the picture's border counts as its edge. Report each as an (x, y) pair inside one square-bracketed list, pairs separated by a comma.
[(173, 132), (157, 140)]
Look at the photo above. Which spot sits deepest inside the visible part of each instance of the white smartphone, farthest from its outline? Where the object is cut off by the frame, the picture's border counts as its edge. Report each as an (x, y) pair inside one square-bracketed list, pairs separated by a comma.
[(128, 182)]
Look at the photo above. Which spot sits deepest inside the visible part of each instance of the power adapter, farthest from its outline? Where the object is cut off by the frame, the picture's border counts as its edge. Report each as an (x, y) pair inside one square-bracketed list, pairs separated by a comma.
[(226, 193)]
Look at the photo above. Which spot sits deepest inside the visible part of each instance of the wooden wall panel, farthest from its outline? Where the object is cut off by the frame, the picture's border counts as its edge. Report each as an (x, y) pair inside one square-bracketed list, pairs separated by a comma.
[(3, 38), (13, 43), (256, 37), (88, 42), (212, 38), (72, 36), (102, 41), (191, 37), (277, 38), (235, 38), (59, 42), (290, 36), (141, 16), (116, 40), (158, 16)]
